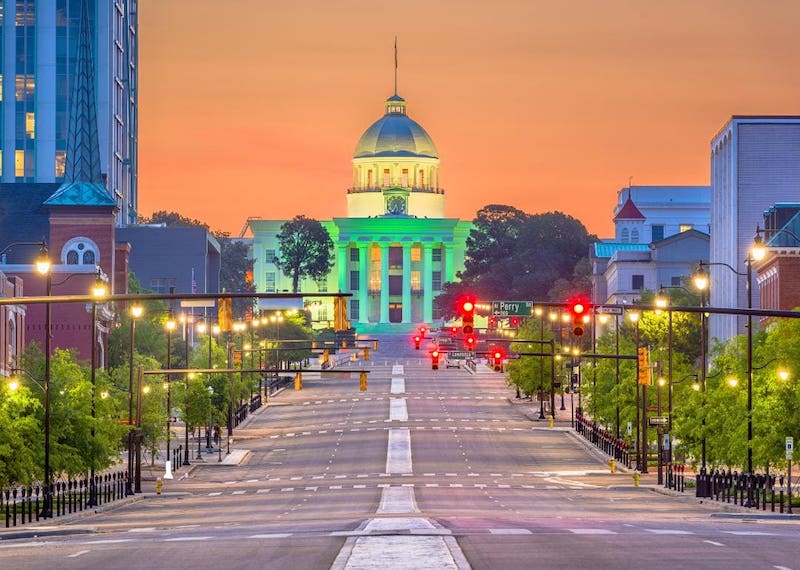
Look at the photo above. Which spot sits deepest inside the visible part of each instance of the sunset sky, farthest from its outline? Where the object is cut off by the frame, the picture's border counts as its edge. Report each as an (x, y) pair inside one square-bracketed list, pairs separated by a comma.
[(254, 107)]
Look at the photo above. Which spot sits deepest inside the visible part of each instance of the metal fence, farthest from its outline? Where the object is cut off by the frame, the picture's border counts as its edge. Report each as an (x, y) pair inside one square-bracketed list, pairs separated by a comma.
[(752, 490), (23, 505), (603, 440)]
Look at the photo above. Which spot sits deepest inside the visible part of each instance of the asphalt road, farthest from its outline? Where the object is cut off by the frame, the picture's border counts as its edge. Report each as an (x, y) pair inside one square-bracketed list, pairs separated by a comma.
[(427, 469)]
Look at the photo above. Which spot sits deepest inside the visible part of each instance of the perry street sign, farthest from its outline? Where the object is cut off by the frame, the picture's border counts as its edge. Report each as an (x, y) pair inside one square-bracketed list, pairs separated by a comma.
[(512, 308)]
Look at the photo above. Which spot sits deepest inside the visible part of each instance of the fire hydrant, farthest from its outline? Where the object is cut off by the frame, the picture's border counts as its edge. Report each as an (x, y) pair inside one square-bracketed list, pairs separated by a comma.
[(159, 486), (635, 477), (550, 421), (612, 465)]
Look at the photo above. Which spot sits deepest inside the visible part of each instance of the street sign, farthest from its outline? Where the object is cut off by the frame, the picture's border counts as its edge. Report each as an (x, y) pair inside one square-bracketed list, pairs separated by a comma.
[(608, 310), (512, 308), (629, 428), (461, 355), (658, 420), (789, 448)]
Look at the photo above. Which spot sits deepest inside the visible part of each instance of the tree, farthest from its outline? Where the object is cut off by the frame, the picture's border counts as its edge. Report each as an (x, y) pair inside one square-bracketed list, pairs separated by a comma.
[(236, 271), (172, 219), (305, 250)]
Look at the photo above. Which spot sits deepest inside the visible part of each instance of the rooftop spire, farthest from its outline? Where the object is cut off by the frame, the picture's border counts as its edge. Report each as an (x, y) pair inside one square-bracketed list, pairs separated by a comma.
[(395, 65), (83, 148)]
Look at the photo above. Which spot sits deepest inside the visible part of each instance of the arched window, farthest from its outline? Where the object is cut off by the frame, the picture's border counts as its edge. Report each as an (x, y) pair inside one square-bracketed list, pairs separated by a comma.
[(80, 251), (624, 237)]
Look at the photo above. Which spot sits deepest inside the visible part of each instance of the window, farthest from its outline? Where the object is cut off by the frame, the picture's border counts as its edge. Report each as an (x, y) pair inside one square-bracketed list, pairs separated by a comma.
[(637, 282), (624, 235), (676, 281), (416, 253), (395, 257), (395, 284), (19, 163), (658, 233), (80, 251), (269, 256), (375, 254), (686, 227), (404, 182), (634, 236), (269, 282), (386, 177), (30, 125), (322, 285), (436, 280), (162, 284), (354, 280), (437, 254), (61, 163), (375, 281), (354, 316), (354, 255), (416, 281)]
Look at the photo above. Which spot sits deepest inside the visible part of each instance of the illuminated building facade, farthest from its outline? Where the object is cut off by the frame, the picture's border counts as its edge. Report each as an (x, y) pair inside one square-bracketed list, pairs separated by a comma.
[(395, 249)]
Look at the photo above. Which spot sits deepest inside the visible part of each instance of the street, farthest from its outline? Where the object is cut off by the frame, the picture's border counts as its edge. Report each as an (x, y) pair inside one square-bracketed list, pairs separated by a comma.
[(426, 469)]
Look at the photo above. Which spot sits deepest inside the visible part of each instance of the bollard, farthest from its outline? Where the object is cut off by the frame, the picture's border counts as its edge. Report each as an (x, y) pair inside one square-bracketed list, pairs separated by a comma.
[(636, 477), (363, 382), (159, 486), (298, 381), (550, 421), (612, 465)]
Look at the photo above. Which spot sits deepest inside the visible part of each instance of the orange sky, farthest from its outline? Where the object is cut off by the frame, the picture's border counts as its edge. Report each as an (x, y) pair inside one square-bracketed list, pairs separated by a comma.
[(254, 107)]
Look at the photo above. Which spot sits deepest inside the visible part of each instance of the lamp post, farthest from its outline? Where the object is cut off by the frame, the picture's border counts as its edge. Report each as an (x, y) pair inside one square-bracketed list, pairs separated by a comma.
[(99, 292), (701, 283), (44, 267), (641, 430), (755, 253), (170, 325), (136, 312), (539, 312), (185, 320)]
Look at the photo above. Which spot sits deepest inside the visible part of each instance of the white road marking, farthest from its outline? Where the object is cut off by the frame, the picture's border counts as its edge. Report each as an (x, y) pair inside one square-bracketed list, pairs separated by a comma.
[(667, 531), (215, 494), (398, 411), (188, 539), (108, 541), (398, 386), (509, 531), (79, 553), (591, 531), (747, 533), (714, 543), (398, 455), (276, 535), (238, 492)]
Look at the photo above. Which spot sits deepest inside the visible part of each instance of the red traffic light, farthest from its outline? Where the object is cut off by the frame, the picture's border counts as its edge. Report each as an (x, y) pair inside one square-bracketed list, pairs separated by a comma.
[(470, 340), (435, 354), (422, 331), (579, 308), (467, 309), (498, 354), (454, 330), (514, 321), (417, 340), (467, 306)]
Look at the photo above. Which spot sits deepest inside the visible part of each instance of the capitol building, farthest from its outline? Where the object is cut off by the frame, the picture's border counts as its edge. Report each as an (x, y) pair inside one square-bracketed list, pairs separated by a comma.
[(395, 249)]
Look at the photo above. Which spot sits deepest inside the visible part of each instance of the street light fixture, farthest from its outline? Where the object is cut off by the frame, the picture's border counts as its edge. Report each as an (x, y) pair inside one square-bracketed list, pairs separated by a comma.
[(99, 293), (44, 267), (136, 312)]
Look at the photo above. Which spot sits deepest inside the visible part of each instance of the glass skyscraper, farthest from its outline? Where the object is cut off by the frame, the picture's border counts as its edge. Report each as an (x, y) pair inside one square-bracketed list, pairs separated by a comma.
[(38, 44)]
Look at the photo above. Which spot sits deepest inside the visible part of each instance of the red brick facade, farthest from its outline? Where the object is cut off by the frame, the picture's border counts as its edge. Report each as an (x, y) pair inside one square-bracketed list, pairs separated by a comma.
[(778, 278)]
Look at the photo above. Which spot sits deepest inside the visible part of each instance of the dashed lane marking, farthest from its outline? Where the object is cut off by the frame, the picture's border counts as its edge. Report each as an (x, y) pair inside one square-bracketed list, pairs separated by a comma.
[(591, 531)]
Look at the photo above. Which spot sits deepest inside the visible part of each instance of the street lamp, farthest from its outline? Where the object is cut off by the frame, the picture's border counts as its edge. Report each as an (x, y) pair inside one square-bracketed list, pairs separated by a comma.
[(701, 283), (136, 312), (99, 293), (755, 253), (44, 267), (170, 325), (185, 320), (641, 420)]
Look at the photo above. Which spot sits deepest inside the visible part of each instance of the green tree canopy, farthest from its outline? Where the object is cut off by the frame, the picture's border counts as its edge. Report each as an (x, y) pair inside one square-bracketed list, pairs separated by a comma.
[(306, 250)]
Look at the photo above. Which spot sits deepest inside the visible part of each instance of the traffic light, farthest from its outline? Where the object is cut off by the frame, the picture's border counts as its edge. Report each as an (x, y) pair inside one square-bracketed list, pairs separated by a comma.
[(417, 340), (492, 322), (224, 314), (454, 330), (579, 308), (470, 342), (340, 322), (467, 309), (422, 331), (514, 322), (497, 356), (435, 360)]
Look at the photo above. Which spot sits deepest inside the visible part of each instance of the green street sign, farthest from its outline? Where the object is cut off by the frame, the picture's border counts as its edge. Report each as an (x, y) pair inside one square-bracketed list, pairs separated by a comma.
[(512, 308)]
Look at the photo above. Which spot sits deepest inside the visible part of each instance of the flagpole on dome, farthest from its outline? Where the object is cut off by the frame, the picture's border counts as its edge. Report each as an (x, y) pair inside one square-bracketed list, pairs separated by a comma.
[(395, 65)]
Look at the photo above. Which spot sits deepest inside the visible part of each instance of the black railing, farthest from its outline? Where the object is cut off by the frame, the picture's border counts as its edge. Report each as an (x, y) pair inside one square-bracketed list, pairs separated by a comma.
[(603, 439), (23, 505), (752, 490)]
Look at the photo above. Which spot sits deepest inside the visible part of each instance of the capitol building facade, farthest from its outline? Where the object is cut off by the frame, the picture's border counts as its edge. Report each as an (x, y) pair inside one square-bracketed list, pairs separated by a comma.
[(395, 249)]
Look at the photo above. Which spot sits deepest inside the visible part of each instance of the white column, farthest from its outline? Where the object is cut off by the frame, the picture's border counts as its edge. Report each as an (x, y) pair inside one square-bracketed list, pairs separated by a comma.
[(407, 283), (427, 282), (363, 282), (384, 308), (448, 265)]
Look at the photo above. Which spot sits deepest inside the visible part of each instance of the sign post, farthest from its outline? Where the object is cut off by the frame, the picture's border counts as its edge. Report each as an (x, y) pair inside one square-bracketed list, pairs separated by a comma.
[(789, 454)]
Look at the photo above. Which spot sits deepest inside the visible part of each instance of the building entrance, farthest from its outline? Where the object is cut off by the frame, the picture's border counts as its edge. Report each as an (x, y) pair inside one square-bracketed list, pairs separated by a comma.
[(395, 312)]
